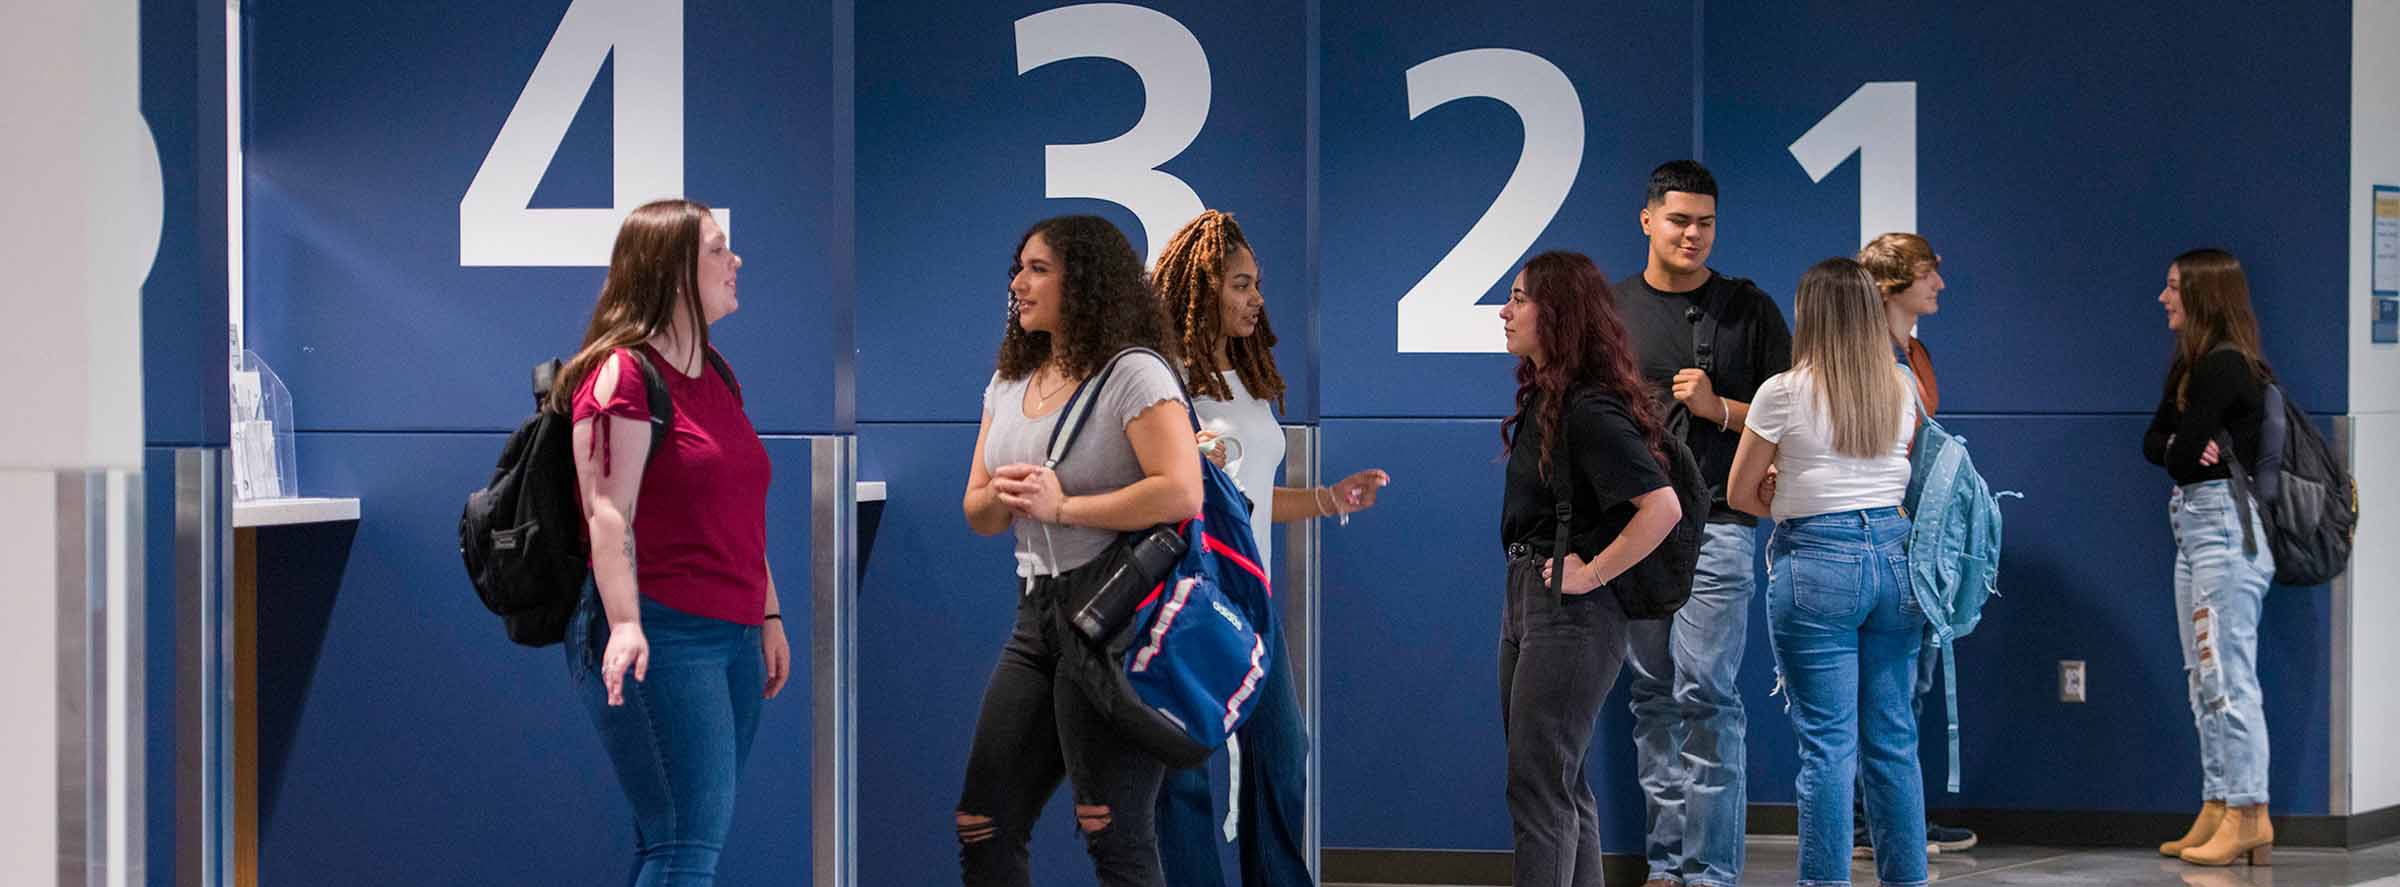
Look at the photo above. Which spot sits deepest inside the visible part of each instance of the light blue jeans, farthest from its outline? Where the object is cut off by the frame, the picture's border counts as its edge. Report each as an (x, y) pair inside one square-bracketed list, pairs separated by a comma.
[(2218, 593), (1688, 723), (1847, 631)]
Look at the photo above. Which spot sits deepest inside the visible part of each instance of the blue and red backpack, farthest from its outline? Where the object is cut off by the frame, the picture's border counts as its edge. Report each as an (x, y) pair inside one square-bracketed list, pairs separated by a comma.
[(1185, 671)]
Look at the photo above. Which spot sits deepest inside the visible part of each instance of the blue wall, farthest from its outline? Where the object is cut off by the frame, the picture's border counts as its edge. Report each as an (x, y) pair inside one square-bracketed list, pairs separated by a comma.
[(2059, 168), (390, 701)]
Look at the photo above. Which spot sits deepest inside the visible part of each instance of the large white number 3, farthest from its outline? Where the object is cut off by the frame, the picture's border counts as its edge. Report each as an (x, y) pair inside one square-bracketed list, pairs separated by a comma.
[(496, 224), (1439, 314), (1175, 88), (1879, 124)]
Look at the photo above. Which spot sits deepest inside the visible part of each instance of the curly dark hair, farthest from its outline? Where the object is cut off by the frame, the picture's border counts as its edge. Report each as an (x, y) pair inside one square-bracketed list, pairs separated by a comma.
[(1107, 307), (1190, 273), (1584, 346)]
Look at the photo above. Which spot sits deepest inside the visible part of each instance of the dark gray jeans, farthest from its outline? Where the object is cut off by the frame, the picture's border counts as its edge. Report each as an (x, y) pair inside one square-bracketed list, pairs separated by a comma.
[(1559, 655)]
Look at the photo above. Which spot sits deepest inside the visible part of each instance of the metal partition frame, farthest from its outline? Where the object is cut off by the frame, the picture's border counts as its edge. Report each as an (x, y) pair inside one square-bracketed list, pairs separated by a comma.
[(2338, 725), (101, 733), (203, 655), (833, 659), (1297, 583)]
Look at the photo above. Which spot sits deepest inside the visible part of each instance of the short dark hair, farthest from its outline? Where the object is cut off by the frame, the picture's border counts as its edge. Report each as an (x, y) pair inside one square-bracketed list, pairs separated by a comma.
[(1687, 176)]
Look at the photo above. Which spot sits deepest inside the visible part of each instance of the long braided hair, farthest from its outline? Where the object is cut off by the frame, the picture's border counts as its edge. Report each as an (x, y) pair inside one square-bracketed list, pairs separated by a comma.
[(1189, 276)]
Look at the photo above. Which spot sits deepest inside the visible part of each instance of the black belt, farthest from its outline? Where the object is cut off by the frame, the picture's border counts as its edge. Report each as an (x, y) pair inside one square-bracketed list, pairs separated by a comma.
[(1523, 550)]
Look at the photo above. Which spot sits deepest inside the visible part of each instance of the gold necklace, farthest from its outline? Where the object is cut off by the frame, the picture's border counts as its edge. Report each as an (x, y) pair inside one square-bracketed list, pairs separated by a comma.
[(1042, 401)]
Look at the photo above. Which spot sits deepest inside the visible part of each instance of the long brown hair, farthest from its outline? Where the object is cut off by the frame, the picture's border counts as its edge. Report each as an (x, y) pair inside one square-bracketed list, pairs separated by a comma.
[(2216, 311), (653, 273), (1584, 347), (1842, 340), (1189, 276), (1106, 306)]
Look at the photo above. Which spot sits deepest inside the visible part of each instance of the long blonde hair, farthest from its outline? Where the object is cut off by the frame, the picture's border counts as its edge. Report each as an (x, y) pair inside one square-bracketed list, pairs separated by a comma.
[(1842, 341)]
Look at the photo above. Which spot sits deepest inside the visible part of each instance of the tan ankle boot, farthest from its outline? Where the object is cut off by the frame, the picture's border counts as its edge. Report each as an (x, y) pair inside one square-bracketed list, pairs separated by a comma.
[(2211, 813), (2245, 831)]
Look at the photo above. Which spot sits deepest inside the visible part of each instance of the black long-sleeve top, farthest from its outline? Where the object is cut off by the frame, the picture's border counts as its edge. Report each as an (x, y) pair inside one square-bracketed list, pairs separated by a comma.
[(2224, 394)]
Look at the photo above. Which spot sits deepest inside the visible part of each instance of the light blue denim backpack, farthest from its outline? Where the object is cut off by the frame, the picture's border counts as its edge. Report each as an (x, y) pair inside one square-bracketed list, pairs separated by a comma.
[(1954, 549)]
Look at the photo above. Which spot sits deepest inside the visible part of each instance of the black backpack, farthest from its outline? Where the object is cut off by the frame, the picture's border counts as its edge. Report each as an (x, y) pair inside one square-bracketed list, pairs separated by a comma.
[(2309, 501), (1657, 585), (522, 535)]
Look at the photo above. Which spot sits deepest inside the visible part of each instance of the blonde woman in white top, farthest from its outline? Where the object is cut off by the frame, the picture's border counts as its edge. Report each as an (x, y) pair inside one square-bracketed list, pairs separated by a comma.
[(1846, 627), (1208, 278)]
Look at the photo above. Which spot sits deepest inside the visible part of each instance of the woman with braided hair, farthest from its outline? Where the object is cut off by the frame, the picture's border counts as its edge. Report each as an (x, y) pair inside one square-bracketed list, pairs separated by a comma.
[(1208, 278)]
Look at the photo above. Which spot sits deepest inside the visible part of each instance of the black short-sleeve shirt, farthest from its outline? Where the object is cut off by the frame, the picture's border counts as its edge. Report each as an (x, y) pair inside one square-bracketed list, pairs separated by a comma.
[(1610, 466), (1751, 342)]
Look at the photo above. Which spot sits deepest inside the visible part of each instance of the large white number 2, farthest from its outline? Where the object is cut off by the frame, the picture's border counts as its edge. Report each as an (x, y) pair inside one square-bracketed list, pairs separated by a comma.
[(1879, 124), (1439, 314), (1175, 88), (1174, 104), (496, 224)]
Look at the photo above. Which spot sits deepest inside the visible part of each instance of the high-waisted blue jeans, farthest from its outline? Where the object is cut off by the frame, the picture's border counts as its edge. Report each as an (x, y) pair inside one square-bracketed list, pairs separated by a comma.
[(2218, 594)]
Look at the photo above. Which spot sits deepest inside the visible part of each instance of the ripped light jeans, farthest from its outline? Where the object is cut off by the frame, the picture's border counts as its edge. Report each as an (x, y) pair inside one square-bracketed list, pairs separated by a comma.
[(2218, 594)]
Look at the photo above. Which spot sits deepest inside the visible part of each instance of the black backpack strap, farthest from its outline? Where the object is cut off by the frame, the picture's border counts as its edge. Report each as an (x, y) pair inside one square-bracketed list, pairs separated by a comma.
[(717, 362), (545, 378), (1562, 506), (1079, 409), (662, 403)]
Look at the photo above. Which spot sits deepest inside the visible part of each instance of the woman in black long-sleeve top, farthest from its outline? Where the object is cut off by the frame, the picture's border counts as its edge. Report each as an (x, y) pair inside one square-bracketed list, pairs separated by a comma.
[(2215, 393)]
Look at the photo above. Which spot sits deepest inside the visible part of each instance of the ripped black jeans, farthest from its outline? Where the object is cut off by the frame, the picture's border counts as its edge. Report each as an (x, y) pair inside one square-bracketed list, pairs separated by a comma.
[(1036, 726)]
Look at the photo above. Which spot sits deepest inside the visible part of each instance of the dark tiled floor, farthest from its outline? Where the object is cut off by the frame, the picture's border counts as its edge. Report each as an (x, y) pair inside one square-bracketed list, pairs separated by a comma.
[(1776, 861)]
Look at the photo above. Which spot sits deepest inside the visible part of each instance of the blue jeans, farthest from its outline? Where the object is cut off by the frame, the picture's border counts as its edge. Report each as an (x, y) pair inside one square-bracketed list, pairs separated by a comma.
[(2218, 593), (1688, 723), (1273, 777), (1847, 631), (680, 739)]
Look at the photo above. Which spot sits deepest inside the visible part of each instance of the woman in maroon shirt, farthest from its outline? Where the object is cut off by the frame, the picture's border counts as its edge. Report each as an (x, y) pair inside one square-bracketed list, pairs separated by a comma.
[(681, 596)]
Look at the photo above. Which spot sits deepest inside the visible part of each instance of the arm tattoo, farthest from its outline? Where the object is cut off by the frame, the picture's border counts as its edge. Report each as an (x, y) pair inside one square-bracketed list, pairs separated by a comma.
[(630, 564)]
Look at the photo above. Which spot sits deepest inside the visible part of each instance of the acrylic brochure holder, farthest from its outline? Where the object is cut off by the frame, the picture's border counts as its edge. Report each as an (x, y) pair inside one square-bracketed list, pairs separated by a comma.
[(263, 463)]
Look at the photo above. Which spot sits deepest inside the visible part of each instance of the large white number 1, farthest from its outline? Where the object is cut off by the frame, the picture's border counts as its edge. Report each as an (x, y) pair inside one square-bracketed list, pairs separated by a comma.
[(496, 224), (1175, 89), (1879, 124), (1439, 314)]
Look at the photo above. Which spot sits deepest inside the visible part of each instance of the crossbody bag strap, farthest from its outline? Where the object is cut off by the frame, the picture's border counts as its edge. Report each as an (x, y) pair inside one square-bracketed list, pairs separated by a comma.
[(1079, 410)]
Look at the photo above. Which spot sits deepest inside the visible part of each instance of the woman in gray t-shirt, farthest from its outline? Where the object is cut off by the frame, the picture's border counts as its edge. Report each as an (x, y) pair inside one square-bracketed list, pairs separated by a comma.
[(1076, 299)]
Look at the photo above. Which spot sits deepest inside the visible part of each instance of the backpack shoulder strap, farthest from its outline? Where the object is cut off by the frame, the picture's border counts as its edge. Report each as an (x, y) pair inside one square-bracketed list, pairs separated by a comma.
[(662, 403), (1562, 506), (717, 362), (545, 378), (1079, 408)]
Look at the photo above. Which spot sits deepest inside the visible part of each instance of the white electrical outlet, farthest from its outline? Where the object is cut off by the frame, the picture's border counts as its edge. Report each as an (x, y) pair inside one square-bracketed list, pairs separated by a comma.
[(2070, 680)]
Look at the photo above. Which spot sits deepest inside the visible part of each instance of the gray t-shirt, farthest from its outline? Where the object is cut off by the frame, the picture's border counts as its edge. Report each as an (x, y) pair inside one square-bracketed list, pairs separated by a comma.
[(1101, 460)]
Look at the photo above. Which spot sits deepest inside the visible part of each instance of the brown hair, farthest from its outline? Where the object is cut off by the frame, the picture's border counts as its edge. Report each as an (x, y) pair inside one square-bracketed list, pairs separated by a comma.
[(1106, 305), (1584, 347), (1842, 341), (2216, 311), (1189, 277), (1897, 259), (653, 272)]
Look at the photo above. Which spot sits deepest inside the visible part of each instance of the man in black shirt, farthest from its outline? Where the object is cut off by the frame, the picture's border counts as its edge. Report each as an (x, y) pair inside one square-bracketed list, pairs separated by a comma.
[(1704, 341)]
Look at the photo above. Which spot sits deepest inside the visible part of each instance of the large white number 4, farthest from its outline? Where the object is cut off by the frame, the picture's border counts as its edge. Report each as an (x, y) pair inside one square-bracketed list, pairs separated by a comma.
[(496, 222)]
